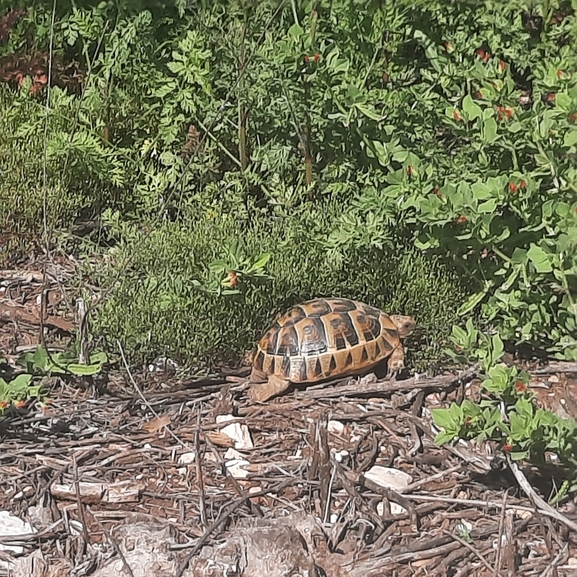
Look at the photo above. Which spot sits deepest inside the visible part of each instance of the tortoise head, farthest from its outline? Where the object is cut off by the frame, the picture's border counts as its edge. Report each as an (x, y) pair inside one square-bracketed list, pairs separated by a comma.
[(405, 325)]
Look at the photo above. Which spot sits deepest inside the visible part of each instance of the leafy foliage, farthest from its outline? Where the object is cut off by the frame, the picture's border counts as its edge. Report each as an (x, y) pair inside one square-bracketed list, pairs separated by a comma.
[(447, 126), (177, 296), (506, 411), (17, 389)]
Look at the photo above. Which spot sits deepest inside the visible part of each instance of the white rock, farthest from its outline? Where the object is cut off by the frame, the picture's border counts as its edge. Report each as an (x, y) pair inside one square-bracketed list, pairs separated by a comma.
[(12, 525), (340, 456), (239, 434), (389, 478), (187, 458), (233, 454), (224, 418), (235, 468), (336, 427)]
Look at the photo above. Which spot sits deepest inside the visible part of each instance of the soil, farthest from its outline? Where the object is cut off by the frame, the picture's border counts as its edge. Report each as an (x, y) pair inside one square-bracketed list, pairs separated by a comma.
[(155, 472)]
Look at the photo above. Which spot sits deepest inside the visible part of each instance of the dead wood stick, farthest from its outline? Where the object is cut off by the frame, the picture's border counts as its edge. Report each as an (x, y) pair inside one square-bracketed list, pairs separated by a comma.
[(384, 386), (559, 558), (540, 504), (480, 503), (510, 545), (441, 475), (415, 546), (144, 400), (418, 555), (79, 501), (24, 539), (199, 473), (500, 534), (555, 367), (477, 554)]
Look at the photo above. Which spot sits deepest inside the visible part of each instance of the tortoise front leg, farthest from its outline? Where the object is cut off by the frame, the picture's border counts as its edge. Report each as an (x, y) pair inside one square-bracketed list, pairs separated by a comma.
[(265, 391), (396, 362)]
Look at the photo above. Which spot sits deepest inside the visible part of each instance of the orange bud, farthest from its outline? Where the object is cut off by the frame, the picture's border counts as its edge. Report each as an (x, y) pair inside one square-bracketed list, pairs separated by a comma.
[(520, 386)]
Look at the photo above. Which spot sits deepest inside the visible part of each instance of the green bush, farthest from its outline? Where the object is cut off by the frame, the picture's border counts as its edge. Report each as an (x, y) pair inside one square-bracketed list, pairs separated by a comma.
[(451, 126), (161, 303)]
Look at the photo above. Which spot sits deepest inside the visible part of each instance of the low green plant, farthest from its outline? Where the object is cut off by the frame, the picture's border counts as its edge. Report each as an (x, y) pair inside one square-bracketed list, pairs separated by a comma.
[(17, 389), (176, 297), (449, 125), (40, 363), (506, 412)]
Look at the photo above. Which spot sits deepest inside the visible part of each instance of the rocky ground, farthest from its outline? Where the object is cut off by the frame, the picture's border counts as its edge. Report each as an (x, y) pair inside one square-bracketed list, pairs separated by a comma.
[(154, 472)]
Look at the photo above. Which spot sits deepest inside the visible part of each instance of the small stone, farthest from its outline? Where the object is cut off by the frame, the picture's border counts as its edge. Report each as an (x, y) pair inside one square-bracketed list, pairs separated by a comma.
[(335, 427), (389, 478)]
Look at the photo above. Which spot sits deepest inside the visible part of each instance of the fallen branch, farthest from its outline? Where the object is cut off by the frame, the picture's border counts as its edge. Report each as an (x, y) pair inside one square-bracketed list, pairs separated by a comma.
[(540, 504), (357, 387)]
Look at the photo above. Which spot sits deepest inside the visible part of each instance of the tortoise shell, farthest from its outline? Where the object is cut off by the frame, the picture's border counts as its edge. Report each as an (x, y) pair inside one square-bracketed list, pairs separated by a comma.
[(324, 338)]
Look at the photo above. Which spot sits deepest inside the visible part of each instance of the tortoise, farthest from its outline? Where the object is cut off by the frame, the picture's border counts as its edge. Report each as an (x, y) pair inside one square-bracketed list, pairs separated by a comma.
[(326, 338)]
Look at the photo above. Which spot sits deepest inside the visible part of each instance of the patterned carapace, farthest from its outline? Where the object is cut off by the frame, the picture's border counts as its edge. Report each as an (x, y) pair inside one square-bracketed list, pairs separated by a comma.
[(325, 338)]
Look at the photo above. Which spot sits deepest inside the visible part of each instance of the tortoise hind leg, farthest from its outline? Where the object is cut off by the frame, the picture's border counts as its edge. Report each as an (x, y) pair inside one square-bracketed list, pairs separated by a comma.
[(264, 391)]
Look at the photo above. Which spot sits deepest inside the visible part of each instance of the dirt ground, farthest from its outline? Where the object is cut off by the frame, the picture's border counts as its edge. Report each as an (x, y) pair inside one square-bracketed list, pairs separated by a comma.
[(152, 472)]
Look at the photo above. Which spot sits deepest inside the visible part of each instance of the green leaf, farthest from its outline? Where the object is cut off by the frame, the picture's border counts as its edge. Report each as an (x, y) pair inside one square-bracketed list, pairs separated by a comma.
[(487, 207), (444, 419), (474, 300), (296, 31), (100, 357), (519, 455), (78, 369), (498, 348), (355, 95), (570, 138), (369, 111), (525, 408), (444, 437), (539, 258), (459, 335), (40, 359), (489, 133), (471, 108), (260, 261), (19, 384), (481, 191), (218, 265)]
